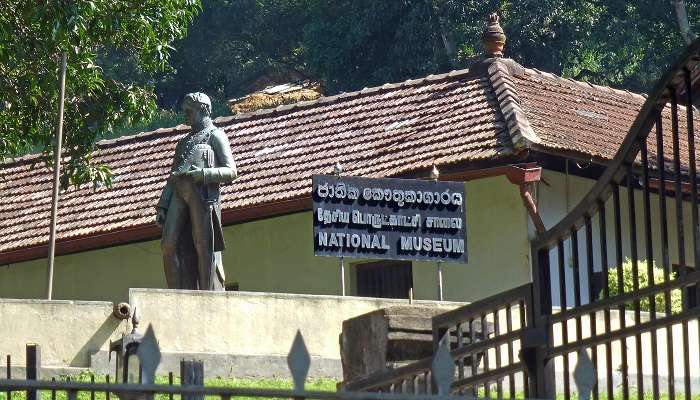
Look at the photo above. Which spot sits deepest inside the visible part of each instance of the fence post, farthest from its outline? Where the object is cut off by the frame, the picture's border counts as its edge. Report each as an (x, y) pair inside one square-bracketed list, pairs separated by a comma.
[(33, 368), (9, 375), (192, 374), (540, 368)]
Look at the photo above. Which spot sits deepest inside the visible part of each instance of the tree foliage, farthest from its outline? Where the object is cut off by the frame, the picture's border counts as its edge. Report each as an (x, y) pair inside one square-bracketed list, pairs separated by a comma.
[(354, 43), (628, 285), (118, 52), (33, 33), (350, 44)]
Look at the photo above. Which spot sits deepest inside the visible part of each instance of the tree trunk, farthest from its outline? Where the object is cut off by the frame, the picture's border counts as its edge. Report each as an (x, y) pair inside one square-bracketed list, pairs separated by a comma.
[(445, 34), (682, 19)]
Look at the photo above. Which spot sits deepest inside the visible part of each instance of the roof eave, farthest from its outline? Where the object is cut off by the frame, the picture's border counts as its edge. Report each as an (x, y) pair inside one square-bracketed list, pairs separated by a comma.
[(460, 171), (151, 231)]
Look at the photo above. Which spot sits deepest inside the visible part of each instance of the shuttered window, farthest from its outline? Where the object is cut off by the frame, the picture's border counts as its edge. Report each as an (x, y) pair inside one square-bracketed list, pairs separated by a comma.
[(388, 279)]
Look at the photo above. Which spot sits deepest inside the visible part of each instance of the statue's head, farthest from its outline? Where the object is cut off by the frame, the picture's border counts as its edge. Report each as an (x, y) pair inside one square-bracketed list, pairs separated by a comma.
[(196, 107)]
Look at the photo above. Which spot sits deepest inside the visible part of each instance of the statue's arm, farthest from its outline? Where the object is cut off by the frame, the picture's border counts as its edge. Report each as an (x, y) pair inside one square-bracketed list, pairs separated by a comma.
[(163, 203), (165, 195), (225, 170)]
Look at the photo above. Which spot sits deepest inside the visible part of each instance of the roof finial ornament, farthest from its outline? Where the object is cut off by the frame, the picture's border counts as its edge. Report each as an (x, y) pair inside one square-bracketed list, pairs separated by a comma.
[(493, 39), (337, 169), (435, 173)]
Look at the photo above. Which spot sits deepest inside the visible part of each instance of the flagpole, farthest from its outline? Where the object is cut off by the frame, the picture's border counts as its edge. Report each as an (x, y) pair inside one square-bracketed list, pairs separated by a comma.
[(56, 175)]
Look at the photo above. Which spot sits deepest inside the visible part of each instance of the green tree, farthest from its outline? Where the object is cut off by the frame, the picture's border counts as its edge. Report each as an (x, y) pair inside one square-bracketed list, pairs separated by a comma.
[(237, 46), (234, 47), (32, 35), (675, 297), (621, 43), (350, 44)]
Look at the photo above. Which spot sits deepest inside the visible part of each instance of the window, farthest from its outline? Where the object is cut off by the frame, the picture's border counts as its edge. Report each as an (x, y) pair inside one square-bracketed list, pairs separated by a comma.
[(388, 279)]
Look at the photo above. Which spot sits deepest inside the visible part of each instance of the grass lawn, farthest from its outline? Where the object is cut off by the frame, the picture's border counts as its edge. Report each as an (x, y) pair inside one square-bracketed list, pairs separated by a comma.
[(321, 384)]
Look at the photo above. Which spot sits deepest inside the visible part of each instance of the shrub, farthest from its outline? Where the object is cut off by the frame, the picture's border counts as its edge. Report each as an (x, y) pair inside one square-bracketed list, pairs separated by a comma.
[(628, 285)]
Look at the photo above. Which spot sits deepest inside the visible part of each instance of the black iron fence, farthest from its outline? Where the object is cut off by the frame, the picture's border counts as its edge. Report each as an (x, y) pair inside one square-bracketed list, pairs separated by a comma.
[(480, 342), (146, 391), (91, 385), (613, 257), (191, 384), (489, 334)]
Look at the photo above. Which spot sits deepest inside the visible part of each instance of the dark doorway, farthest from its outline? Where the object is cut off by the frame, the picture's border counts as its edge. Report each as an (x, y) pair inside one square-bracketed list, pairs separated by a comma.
[(388, 279)]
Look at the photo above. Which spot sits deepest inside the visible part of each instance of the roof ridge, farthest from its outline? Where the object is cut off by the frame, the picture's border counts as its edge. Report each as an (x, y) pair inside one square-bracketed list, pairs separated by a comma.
[(499, 72), (16, 161), (521, 133), (344, 96), (266, 111), (138, 135)]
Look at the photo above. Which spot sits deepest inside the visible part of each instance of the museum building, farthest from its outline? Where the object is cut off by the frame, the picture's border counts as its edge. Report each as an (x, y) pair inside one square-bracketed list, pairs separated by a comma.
[(527, 144)]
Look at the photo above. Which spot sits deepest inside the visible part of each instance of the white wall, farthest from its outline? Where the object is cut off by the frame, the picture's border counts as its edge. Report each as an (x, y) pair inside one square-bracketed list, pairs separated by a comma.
[(247, 323), (552, 198), (236, 333), (67, 331), (243, 334)]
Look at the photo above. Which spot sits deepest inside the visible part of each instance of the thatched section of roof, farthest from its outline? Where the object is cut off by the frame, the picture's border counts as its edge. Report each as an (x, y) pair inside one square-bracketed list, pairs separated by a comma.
[(274, 96)]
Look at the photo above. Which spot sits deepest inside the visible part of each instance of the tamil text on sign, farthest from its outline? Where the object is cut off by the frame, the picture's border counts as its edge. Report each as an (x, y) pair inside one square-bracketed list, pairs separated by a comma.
[(402, 219)]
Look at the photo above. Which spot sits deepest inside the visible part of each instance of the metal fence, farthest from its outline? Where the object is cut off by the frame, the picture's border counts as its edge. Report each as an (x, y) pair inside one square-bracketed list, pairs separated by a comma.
[(479, 342), (145, 391), (191, 385), (617, 251)]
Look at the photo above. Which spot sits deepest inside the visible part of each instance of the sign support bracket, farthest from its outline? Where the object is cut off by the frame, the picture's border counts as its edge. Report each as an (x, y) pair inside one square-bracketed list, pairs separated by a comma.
[(342, 275), (337, 171), (435, 175), (439, 273)]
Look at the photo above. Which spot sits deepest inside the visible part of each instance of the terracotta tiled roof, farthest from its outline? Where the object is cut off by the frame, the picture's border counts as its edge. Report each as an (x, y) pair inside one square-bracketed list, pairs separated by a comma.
[(493, 113), (575, 116), (589, 121), (382, 131)]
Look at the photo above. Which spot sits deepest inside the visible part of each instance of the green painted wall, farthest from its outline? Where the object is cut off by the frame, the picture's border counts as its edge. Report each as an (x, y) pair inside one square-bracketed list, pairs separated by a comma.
[(276, 255), (497, 243), (104, 274)]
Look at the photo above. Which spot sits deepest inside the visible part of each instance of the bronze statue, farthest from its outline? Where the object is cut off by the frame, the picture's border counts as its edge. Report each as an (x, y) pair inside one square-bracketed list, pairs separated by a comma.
[(189, 210)]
